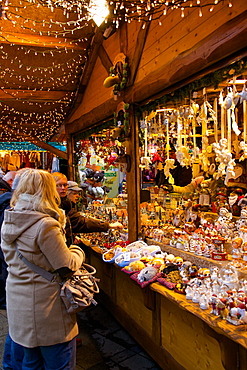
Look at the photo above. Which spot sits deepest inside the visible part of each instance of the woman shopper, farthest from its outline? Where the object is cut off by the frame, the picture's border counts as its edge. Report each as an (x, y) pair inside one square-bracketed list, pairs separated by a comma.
[(37, 317)]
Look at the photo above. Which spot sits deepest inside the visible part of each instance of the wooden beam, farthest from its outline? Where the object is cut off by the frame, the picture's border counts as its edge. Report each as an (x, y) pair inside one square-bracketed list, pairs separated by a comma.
[(102, 112), (133, 178), (140, 43), (49, 148), (32, 95), (34, 140), (70, 150), (105, 59), (123, 38), (40, 41)]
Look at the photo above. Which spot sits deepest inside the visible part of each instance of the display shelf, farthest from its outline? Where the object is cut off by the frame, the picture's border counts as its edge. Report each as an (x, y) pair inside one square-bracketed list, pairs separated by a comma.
[(174, 331), (200, 261), (236, 333)]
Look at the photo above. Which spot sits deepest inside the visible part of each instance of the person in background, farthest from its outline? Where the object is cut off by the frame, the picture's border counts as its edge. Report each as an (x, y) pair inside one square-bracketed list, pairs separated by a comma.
[(182, 175), (37, 317), (76, 223), (74, 193), (4, 204), (190, 188), (6, 181), (5, 197)]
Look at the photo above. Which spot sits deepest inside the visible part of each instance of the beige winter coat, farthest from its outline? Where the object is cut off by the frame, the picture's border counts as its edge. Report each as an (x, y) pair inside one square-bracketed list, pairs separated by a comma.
[(36, 313)]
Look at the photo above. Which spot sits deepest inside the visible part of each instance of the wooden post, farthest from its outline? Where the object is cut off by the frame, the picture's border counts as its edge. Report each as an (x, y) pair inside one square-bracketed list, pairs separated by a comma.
[(70, 150), (133, 178), (244, 119)]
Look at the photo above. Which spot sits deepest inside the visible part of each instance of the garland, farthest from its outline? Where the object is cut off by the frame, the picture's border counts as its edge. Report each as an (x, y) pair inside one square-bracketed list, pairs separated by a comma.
[(214, 78), (121, 85)]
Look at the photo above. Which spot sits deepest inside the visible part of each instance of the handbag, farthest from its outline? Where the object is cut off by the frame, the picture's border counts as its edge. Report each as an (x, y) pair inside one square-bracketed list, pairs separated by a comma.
[(77, 291)]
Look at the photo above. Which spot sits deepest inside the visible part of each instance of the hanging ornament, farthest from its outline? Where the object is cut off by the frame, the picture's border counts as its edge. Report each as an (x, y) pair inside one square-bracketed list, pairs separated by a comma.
[(169, 165), (118, 75), (224, 157), (243, 94)]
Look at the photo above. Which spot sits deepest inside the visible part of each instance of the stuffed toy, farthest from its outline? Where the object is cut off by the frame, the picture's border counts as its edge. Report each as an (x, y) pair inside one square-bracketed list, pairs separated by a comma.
[(98, 176), (147, 274), (88, 173), (135, 266)]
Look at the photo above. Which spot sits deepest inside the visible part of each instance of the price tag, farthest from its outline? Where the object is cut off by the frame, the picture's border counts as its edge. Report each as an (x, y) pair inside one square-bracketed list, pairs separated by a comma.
[(118, 250), (127, 256)]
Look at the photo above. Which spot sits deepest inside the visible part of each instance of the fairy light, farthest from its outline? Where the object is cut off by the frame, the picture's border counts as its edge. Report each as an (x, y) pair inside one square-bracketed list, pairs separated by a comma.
[(121, 10), (64, 23)]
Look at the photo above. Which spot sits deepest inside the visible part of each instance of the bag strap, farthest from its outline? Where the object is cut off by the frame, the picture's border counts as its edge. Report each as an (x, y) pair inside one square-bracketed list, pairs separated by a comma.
[(89, 270), (39, 270)]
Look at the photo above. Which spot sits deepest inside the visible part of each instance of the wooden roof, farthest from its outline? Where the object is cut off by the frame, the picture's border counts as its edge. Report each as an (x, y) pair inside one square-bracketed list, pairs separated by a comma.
[(48, 56), (43, 54)]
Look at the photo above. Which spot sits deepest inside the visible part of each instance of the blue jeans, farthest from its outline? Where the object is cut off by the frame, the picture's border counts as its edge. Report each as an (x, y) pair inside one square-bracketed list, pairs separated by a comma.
[(13, 355), (60, 356)]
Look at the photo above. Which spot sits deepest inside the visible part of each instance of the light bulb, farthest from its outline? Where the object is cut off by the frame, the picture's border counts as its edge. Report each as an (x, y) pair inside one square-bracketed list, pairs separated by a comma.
[(98, 10)]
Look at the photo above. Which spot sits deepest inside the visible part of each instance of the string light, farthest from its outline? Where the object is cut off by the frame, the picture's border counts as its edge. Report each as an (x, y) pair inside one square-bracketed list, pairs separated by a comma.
[(42, 41)]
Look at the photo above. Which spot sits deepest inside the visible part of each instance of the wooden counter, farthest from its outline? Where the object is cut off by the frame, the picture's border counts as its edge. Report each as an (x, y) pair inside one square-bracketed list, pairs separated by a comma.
[(176, 333)]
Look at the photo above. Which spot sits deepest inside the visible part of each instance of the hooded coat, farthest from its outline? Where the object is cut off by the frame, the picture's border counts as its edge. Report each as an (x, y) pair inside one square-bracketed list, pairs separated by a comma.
[(36, 314)]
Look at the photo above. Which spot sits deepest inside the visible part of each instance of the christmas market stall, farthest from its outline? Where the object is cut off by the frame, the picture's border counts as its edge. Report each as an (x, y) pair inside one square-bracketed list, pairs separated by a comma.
[(163, 101)]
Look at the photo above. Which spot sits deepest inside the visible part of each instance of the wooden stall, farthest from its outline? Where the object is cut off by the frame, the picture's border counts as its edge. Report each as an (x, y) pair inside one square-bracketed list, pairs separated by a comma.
[(162, 56)]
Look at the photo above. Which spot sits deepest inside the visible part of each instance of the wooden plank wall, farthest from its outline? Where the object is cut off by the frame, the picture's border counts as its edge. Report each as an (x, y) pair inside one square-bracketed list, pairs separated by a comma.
[(177, 37)]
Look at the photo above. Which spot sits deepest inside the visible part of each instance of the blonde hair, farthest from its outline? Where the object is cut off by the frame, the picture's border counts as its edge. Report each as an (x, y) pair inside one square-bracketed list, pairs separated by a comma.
[(41, 185), (58, 176)]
